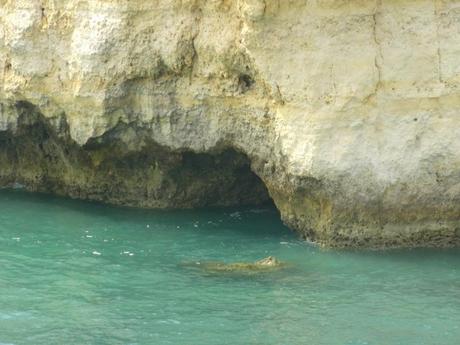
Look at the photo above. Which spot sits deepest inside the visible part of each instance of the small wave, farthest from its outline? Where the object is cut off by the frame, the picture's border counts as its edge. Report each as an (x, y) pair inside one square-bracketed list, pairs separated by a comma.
[(18, 185), (168, 321), (235, 215), (258, 210)]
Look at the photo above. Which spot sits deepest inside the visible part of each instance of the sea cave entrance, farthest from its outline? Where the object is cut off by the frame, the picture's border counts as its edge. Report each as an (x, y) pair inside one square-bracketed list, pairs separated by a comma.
[(124, 167), (220, 179)]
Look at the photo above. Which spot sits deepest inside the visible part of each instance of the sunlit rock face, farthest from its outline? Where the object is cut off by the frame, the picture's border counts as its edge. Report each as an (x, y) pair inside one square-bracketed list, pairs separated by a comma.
[(347, 110)]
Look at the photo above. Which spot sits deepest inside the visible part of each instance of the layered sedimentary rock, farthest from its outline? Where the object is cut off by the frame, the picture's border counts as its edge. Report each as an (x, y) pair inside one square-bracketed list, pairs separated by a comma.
[(345, 112)]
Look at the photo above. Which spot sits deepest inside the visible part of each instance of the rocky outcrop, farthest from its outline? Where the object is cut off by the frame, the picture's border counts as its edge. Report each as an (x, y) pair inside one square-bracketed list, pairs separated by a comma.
[(269, 264), (347, 111)]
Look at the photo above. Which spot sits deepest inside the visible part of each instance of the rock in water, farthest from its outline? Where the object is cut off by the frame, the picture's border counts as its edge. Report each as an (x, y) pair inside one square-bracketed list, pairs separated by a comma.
[(269, 261), (345, 113), (269, 264)]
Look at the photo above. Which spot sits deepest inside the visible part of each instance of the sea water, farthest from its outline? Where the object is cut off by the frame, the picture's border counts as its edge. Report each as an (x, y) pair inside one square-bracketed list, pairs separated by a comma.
[(84, 273)]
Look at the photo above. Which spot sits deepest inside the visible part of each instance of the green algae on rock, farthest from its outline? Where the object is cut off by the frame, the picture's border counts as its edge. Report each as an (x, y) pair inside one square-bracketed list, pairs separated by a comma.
[(266, 265)]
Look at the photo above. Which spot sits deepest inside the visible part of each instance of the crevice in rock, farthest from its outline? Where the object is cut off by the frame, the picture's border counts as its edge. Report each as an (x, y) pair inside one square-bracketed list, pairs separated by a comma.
[(378, 60), (438, 17), (245, 82)]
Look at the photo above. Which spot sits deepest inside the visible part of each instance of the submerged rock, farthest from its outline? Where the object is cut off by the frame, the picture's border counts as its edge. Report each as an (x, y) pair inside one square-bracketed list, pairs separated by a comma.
[(268, 264), (345, 113)]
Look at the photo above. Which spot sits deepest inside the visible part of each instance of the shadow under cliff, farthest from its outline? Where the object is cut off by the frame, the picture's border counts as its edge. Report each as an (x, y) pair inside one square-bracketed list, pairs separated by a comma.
[(124, 166)]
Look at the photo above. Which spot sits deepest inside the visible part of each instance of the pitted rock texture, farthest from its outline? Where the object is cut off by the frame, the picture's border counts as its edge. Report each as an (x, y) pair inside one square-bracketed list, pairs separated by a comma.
[(347, 110)]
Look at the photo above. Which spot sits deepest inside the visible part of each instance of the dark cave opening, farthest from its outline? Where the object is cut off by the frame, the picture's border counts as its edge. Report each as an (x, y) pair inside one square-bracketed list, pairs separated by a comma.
[(221, 179), (107, 169)]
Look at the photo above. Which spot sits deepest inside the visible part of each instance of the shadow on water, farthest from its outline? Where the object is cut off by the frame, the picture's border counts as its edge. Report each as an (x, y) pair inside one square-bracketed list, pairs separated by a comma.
[(417, 255), (256, 222), (269, 224), (246, 221)]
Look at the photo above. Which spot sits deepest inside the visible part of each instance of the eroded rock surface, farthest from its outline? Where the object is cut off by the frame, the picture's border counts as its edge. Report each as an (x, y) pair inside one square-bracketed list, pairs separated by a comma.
[(348, 111)]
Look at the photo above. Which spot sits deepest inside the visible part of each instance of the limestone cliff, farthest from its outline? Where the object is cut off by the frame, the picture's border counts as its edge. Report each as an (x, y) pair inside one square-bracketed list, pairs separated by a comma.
[(347, 110)]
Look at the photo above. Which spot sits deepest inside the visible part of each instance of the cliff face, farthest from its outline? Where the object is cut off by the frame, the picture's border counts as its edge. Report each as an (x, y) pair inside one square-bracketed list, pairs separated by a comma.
[(348, 111)]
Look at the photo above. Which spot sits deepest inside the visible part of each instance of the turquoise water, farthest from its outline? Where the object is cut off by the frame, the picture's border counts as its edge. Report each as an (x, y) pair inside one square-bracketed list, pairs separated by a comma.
[(83, 273)]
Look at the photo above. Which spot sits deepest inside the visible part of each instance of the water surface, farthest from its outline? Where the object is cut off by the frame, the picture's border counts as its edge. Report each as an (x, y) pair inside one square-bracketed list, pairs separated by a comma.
[(84, 273)]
